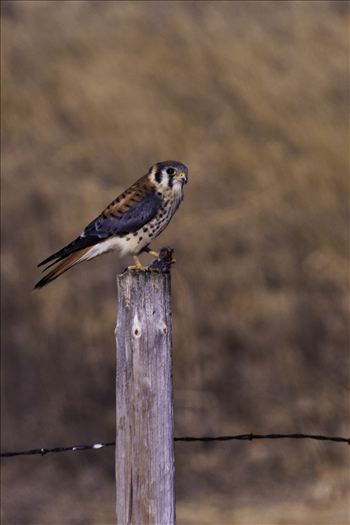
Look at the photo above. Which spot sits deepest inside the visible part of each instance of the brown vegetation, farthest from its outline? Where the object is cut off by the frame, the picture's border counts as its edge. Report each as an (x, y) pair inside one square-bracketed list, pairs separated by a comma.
[(253, 97)]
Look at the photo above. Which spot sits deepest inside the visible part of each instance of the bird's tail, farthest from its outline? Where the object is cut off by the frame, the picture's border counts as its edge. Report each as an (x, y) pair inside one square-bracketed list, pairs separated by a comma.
[(62, 266)]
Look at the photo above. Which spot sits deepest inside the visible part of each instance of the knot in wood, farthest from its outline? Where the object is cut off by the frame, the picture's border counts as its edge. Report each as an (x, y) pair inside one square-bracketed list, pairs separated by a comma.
[(163, 328), (136, 327)]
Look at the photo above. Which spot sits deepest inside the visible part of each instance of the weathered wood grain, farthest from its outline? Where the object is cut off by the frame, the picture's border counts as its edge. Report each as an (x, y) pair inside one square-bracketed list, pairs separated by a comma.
[(145, 478)]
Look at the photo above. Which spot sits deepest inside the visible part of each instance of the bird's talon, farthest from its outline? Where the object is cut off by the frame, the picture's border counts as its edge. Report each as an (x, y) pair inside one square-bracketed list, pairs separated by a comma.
[(134, 267)]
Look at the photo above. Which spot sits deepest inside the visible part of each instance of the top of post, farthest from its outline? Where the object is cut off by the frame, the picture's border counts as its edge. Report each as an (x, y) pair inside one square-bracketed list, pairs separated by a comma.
[(160, 265)]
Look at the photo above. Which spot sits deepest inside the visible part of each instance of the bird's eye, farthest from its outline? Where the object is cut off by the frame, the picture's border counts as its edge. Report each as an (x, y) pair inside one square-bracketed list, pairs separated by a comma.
[(170, 171)]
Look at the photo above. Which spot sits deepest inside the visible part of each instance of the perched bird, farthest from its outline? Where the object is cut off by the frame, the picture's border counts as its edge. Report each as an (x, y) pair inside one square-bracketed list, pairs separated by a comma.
[(129, 223)]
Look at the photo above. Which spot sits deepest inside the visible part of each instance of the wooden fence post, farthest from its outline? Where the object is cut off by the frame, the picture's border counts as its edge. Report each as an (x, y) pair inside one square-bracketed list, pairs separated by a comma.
[(145, 470)]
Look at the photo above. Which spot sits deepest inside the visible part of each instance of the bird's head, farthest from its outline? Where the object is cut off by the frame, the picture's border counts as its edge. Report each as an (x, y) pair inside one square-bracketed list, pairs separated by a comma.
[(169, 174)]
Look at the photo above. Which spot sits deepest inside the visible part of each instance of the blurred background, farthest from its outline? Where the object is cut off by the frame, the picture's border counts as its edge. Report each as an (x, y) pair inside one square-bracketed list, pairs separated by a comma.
[(253, 97)]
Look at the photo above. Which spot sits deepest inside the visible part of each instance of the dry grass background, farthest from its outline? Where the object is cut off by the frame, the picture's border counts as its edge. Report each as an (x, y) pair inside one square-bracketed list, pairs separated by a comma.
[(253, 97)]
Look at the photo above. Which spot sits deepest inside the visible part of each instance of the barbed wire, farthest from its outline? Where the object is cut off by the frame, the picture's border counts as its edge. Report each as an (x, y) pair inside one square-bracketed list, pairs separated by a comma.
[(239, 437)]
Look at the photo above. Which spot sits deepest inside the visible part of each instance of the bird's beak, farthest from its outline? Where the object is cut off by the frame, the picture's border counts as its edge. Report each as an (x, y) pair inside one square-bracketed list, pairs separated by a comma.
[(182, 176)]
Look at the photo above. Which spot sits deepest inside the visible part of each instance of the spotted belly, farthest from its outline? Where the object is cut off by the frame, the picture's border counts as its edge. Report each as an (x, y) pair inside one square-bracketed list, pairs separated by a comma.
[(134, 243)]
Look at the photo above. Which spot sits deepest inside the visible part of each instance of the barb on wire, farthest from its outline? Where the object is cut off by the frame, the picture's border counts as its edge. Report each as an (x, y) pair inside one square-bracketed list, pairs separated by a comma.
[(240, 437)]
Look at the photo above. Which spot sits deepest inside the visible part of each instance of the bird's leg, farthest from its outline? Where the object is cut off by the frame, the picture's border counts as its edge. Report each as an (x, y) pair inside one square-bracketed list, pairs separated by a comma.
[(151, 252), (138, 264)]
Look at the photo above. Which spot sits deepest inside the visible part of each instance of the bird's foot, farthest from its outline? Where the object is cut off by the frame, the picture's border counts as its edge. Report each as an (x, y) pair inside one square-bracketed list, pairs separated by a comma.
[(137, 266), (165, 258)]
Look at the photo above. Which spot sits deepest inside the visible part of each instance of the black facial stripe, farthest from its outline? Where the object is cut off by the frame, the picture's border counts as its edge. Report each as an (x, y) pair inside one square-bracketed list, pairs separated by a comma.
[(170, 183), (158, 175)]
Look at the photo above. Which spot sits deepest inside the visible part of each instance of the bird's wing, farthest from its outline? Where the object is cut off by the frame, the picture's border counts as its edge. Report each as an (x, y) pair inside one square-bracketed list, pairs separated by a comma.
[(126, 214), (124, 217)]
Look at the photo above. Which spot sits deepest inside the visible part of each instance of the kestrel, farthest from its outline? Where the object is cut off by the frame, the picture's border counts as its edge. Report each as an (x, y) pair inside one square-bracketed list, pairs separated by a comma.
[(129, 223)]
